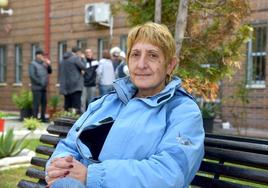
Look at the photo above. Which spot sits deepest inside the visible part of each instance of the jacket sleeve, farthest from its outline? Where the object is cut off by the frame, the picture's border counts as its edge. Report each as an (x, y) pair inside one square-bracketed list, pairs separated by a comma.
[(173, 165), (67, 146), (80, 63), (33, 76)]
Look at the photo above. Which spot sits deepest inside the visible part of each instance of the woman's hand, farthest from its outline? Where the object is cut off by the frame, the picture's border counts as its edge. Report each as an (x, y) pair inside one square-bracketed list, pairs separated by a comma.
[(78, 171), (58, 168), (66, 166)]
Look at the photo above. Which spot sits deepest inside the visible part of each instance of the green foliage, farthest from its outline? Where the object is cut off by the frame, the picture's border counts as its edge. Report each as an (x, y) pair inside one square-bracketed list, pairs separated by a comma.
[(215, 34), (23, 100), (2, 114), (209, 109), (54, 101), (31, 123), (68, 114), (9, 146)]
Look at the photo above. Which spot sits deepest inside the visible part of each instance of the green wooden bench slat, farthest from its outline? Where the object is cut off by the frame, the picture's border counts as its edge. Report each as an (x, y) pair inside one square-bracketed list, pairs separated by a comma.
[(237, 138), (29, 184), (241, 146), (37, 161), (58, 129), (49, 139), (240, 157), (45, 150), (35, 173), (254, 175), (206, 182), (64, 121)]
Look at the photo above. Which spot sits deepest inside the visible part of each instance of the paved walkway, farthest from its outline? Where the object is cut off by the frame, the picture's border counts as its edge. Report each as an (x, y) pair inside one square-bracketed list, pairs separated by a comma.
[(20, 131), (249, 132)]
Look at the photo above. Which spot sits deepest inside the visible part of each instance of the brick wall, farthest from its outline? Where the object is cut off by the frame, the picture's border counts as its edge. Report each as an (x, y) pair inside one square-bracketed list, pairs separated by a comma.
[(67, 24), (254, 114)]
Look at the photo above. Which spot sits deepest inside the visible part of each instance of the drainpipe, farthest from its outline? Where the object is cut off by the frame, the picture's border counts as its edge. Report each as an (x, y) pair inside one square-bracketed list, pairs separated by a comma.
[(47, 28), (47, 37)]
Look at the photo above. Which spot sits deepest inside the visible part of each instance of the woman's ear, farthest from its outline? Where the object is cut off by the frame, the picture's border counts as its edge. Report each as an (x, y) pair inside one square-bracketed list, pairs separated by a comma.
[(171, 65)]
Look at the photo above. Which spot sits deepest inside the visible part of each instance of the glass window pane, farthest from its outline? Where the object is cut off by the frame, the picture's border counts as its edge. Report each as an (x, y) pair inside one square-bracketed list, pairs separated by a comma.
[(103, 43), (3, 63), (18, 63), (82, 43), (123, 43), (256, 61), (34, 47)]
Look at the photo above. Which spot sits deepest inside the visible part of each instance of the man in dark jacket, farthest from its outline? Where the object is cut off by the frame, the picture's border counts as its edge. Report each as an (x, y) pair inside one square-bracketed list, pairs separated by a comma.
[(89, 89), (39, 70), (71, 79)]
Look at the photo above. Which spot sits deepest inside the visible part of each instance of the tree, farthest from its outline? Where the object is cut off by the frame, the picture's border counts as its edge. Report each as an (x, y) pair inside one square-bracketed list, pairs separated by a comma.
[(158, 10), (213, 33)]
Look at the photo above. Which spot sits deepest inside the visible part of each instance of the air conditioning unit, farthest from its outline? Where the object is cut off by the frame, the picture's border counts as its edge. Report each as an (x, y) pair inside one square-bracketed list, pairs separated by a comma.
[(97, 13)]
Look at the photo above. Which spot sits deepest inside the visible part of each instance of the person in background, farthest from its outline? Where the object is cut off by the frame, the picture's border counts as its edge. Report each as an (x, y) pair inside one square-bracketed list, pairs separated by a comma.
[(39, 70), (105, 74), (147, 133), (122, 69), (115, 56), (71, 79), (90, 75)]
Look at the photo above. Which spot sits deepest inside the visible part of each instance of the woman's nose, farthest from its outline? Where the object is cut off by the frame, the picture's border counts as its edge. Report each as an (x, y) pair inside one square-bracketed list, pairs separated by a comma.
[(141, 62)]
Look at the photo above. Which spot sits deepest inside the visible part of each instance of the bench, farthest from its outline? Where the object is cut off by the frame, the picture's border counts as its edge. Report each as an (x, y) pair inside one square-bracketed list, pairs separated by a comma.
[(230, 161)]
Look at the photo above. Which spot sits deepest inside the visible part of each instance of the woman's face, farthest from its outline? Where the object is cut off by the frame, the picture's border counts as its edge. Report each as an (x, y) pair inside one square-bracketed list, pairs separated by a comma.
[(147, 68)]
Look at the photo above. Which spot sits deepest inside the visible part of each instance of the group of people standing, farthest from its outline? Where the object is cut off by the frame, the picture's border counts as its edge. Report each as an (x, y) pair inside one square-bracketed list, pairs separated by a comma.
[(81, 75)]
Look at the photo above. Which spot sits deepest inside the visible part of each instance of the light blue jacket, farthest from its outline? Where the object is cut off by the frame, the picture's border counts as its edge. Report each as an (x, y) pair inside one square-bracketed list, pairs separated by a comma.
[(155, 142)]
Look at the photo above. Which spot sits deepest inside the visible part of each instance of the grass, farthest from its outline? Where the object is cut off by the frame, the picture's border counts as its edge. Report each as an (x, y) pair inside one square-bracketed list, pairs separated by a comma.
[(10, 178)]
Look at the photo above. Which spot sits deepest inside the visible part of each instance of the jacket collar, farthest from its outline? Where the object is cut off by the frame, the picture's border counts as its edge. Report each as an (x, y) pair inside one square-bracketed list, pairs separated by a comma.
[(125, 90)]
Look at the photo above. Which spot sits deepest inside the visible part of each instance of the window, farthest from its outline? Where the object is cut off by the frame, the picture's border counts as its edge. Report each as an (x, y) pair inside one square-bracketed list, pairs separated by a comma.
[(123, 43), (3, 64), (82, 43), (62, 48), (34, 47), (256, 57), (103, 43), (18, 63)]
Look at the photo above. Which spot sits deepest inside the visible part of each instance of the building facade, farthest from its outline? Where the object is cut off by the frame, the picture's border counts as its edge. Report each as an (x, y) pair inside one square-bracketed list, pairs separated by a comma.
[(245, 96), (55, 26)]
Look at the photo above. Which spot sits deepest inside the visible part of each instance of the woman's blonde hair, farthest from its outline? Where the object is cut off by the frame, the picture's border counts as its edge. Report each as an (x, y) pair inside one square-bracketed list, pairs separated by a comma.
[(155, 34)]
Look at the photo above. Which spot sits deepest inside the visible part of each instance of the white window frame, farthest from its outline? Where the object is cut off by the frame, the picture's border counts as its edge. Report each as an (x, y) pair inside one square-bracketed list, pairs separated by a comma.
[(3, 64), (103, 43), (62, 48), (251, 83), (34, 47), (123, 43), (18, 63), (82, 44)]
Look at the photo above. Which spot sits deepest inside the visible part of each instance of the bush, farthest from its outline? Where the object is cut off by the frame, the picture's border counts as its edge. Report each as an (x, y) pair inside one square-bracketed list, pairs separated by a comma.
[(67, 114), (2, 114), (54, 101), (23, 100), (31, 123), (10, 147)]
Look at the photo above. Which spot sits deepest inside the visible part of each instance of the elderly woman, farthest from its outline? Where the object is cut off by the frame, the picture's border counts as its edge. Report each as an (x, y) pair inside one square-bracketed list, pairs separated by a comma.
[(146, 133)]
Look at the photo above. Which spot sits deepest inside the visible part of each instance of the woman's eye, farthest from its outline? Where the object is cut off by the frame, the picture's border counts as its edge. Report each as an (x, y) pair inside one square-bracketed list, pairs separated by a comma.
[(134, 54), (153, 56)]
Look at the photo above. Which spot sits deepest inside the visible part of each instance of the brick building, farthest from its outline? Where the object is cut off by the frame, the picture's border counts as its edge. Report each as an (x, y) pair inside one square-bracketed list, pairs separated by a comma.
[(55, 26), (252, 77), (58, 25)]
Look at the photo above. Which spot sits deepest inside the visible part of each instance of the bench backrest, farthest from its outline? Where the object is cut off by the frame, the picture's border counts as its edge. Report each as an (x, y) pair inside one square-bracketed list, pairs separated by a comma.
[(230, 161)]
